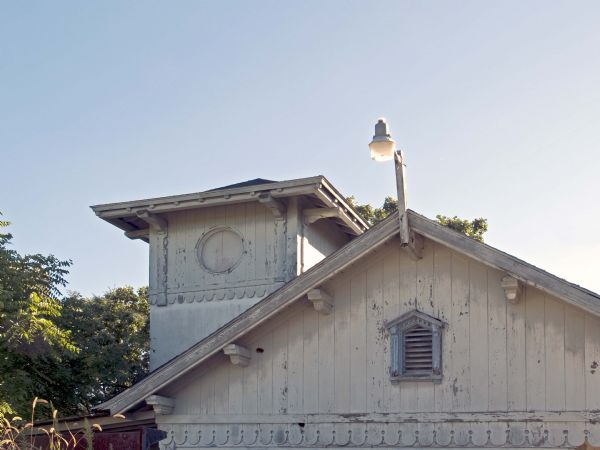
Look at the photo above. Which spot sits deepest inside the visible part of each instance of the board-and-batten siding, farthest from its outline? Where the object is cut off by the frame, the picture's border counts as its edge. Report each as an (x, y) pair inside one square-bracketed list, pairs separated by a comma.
[(539, 354), (260, 265), (319, 240)]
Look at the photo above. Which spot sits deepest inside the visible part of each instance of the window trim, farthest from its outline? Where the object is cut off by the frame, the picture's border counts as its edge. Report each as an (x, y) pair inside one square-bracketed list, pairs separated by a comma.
[(397, 329)]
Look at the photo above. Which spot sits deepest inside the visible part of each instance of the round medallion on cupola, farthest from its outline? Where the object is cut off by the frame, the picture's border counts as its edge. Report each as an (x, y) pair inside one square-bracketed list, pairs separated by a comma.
[(220, 250)]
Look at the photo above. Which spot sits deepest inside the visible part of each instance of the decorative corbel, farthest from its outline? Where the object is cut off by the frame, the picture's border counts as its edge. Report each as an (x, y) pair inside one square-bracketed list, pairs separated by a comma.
[(144, 234), (321, 300), (276, 206), (160, 244), (156, 222), (239, 356), (512, 289), (162, 405), (311, 215)]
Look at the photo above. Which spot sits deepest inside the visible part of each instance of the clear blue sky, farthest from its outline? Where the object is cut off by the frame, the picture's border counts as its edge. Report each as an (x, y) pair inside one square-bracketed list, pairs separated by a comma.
[(496, 104)]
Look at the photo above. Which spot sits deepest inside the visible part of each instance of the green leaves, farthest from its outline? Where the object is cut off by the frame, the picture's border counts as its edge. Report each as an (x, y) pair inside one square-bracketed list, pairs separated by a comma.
[(74, 351), (473, 228)]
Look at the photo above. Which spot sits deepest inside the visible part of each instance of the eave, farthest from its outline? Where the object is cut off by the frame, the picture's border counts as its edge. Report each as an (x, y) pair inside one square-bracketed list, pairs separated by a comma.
[(124, 215)]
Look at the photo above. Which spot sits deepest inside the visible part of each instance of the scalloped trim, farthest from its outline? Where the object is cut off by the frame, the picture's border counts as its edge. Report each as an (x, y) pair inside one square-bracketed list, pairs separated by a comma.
[(216, 295)]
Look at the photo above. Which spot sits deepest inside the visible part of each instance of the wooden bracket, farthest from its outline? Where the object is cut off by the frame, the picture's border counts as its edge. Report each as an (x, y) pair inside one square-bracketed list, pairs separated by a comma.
[(162, 405), (311, 215), (321, 300), (157, 223), (414, 248), (239, 356), (144, 233), (276, 206), (512, 289)]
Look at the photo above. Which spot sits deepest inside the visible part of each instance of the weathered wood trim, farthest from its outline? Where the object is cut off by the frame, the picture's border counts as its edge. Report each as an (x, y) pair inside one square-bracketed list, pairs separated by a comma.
[(144, 234), (159, 235), (522, 271), (321, 300), (210, 198), (112, 212), (238, 354), (156, 222), (253, 317), (162, 406), (431, 417), (312, 215), (276, 206), (352, 223)]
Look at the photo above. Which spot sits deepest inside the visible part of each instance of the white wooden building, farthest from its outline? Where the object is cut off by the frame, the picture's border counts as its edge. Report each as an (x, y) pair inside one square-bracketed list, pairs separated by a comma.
[(278, 319)]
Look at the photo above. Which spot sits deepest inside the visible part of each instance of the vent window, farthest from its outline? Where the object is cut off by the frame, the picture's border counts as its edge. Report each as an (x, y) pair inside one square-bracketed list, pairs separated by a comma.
[(416, 347)]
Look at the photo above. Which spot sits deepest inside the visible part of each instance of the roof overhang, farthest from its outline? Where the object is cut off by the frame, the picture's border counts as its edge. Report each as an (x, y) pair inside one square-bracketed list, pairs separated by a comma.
[(126, 215)]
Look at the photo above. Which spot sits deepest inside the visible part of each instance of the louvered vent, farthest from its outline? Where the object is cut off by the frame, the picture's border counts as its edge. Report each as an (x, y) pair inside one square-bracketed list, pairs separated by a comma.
[(418, 351)]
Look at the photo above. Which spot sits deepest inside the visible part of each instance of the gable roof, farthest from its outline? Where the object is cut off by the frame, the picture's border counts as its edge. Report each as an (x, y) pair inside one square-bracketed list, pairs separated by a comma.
[(124, 215), (328, 268)]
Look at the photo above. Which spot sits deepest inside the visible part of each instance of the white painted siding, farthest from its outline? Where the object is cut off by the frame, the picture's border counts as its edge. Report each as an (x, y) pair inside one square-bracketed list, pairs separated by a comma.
[(538, 354), (199, 301), (320, 239)]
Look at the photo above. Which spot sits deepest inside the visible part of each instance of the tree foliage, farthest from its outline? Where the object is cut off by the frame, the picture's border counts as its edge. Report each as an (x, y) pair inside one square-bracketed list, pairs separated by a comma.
[(113, 333), (73, 351), (29, 306), (473, 228)]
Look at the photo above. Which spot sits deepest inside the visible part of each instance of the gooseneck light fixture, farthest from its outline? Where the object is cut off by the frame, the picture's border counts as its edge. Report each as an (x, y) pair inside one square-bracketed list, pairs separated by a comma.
[(383, 148)]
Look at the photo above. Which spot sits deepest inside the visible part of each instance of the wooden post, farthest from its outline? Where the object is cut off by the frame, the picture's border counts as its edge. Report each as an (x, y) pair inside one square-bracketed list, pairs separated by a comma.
[(409, 241), (401, 190)]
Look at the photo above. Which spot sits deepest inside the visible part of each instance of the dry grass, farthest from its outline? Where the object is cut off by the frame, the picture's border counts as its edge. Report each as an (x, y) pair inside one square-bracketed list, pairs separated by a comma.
[(18, 434)]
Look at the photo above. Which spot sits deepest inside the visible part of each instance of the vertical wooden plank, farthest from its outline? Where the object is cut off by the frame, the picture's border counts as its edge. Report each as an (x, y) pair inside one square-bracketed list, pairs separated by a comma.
[(391, 310), (358, 338), (236, 389), (280, 369), (478, 335), (207, 400), (250, 224), (341, 313), (459, 334), (409, 401), (221, 376), (375, 338), (554, 336), (516, 359), (497, 341), (535, 350), (574, 359), (250, 383), (326, 381), (265, 374), (424, 301), (295, 364), (260, 243), (442, 297), (592, 362), (311, 361)]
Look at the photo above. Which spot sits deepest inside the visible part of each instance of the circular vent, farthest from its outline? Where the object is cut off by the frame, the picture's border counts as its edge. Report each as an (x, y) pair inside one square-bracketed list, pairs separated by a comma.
[(220, 250)]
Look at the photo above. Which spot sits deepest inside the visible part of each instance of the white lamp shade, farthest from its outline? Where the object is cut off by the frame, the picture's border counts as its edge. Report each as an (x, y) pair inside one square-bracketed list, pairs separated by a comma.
[(382, 150), (382, 146)]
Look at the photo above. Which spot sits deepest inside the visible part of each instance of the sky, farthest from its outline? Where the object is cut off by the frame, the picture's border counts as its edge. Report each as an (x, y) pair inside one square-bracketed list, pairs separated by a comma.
[(495, 104)]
